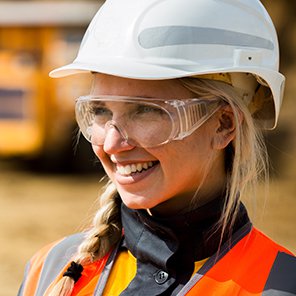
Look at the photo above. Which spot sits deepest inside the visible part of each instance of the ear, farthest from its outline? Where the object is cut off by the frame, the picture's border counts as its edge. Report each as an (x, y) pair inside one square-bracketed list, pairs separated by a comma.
[(225, 128)]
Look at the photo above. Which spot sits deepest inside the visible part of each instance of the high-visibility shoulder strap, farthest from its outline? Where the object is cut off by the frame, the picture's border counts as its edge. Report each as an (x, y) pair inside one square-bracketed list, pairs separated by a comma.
[(244, 270), (33, 271), (282, 277), (46, 265)]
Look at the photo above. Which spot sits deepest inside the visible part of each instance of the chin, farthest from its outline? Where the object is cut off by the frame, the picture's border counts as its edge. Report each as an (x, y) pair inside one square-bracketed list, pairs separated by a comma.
[(134, 204), (137, 202)]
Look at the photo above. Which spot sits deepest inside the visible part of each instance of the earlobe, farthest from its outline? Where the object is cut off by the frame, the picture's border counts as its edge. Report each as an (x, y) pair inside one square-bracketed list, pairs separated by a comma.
[(225, 132)]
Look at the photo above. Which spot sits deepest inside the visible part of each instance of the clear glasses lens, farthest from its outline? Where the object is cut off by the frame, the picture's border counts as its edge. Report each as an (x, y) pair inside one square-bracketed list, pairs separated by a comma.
[(140, 123)]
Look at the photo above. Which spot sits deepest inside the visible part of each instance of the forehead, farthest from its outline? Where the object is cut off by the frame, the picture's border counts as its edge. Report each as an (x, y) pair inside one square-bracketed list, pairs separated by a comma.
[(113, 85)]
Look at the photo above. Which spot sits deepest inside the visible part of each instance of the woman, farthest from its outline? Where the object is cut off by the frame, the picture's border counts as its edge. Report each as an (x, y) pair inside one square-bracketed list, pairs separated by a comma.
[(181, 90)]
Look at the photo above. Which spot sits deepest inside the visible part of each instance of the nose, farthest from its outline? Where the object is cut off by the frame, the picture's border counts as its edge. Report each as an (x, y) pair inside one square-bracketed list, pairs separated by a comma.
[(115, 141)]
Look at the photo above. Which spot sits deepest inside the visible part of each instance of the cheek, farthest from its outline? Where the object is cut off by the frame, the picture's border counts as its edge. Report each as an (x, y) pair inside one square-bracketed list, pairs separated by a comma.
[(193, 156), (102, 156), (195, 147), (99, 152), (96, 150)]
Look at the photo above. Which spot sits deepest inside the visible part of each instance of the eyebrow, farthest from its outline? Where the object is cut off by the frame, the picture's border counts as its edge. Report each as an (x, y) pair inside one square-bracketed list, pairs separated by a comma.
[(97, 103), (104, 103)]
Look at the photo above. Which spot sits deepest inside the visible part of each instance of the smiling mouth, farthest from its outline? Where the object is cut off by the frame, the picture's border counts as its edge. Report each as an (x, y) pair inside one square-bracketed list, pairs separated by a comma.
[(135, 168)]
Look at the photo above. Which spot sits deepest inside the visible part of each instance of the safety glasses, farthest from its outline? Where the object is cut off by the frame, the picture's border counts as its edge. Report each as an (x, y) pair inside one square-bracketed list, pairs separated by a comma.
[(140, 121)]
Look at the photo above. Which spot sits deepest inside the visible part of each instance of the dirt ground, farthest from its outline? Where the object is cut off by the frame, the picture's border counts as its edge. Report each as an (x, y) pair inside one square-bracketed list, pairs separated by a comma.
[(37, 209)]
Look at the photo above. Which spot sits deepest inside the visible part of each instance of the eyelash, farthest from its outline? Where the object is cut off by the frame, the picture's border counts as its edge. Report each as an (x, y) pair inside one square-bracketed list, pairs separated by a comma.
[(99, 111)]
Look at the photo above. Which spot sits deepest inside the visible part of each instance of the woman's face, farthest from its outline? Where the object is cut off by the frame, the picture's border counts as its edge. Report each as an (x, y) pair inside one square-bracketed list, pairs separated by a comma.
[(168, 175)]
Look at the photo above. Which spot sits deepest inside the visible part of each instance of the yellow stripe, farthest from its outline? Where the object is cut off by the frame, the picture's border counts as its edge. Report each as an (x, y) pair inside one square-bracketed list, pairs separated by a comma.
[(198, 265), (124, 270)]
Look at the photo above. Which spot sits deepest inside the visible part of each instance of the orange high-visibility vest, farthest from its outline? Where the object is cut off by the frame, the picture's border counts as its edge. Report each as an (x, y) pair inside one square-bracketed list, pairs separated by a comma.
[(250, 265), (254, 266)]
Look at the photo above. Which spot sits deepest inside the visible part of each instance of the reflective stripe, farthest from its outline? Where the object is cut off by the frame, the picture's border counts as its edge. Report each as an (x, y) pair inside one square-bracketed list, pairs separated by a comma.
[(21, 289), (31, 280), (240, 234), (282, 277), (56, 260), (106, 272), (245, 269), (184, 35)]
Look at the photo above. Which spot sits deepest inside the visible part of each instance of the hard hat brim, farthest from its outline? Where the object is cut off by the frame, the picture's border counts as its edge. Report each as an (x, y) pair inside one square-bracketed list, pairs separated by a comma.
[(126, 69)]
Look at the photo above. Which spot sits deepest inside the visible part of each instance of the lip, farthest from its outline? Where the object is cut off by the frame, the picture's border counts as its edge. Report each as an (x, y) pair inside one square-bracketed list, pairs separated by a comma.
[(135, 177)]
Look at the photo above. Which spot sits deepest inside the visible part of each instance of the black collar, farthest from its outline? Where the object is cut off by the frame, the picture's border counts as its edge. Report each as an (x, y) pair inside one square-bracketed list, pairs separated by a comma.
[(173, 244)]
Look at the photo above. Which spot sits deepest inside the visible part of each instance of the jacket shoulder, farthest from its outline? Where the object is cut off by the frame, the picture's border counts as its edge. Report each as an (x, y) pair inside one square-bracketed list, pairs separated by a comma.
[(47, 263)]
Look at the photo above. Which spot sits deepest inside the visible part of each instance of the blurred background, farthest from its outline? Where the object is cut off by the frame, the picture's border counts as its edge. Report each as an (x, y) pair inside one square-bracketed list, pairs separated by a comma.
[(48, 183)]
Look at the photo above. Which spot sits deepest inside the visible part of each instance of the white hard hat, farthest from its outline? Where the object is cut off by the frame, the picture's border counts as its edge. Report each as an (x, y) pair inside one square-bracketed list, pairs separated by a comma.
[(163, 39)]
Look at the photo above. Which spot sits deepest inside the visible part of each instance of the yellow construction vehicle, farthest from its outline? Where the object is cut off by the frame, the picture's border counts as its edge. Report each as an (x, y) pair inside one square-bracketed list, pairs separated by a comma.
[(37, 112)]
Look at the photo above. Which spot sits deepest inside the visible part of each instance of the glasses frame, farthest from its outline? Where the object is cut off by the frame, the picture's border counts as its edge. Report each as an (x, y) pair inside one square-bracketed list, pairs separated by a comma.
[(182, 113)]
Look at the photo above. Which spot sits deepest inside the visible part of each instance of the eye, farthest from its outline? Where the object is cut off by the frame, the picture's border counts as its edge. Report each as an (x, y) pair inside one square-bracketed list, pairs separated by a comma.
[(146, 109), (98, 111)]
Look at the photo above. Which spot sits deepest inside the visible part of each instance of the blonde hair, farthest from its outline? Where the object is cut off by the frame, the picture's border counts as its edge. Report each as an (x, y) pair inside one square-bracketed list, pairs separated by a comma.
[(246, 163), (248, 160)]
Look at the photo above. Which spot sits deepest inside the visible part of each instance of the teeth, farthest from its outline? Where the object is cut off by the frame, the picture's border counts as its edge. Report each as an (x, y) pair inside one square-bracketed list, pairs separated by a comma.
[(132, 168), (139, 167), (127, 170)]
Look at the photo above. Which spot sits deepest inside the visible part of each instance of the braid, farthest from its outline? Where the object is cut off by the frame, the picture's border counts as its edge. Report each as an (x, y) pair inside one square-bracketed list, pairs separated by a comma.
[(106, 230), (100, 238)]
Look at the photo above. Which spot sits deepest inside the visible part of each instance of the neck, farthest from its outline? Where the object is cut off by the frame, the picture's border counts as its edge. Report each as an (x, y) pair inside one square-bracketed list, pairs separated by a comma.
[(187, 202)]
